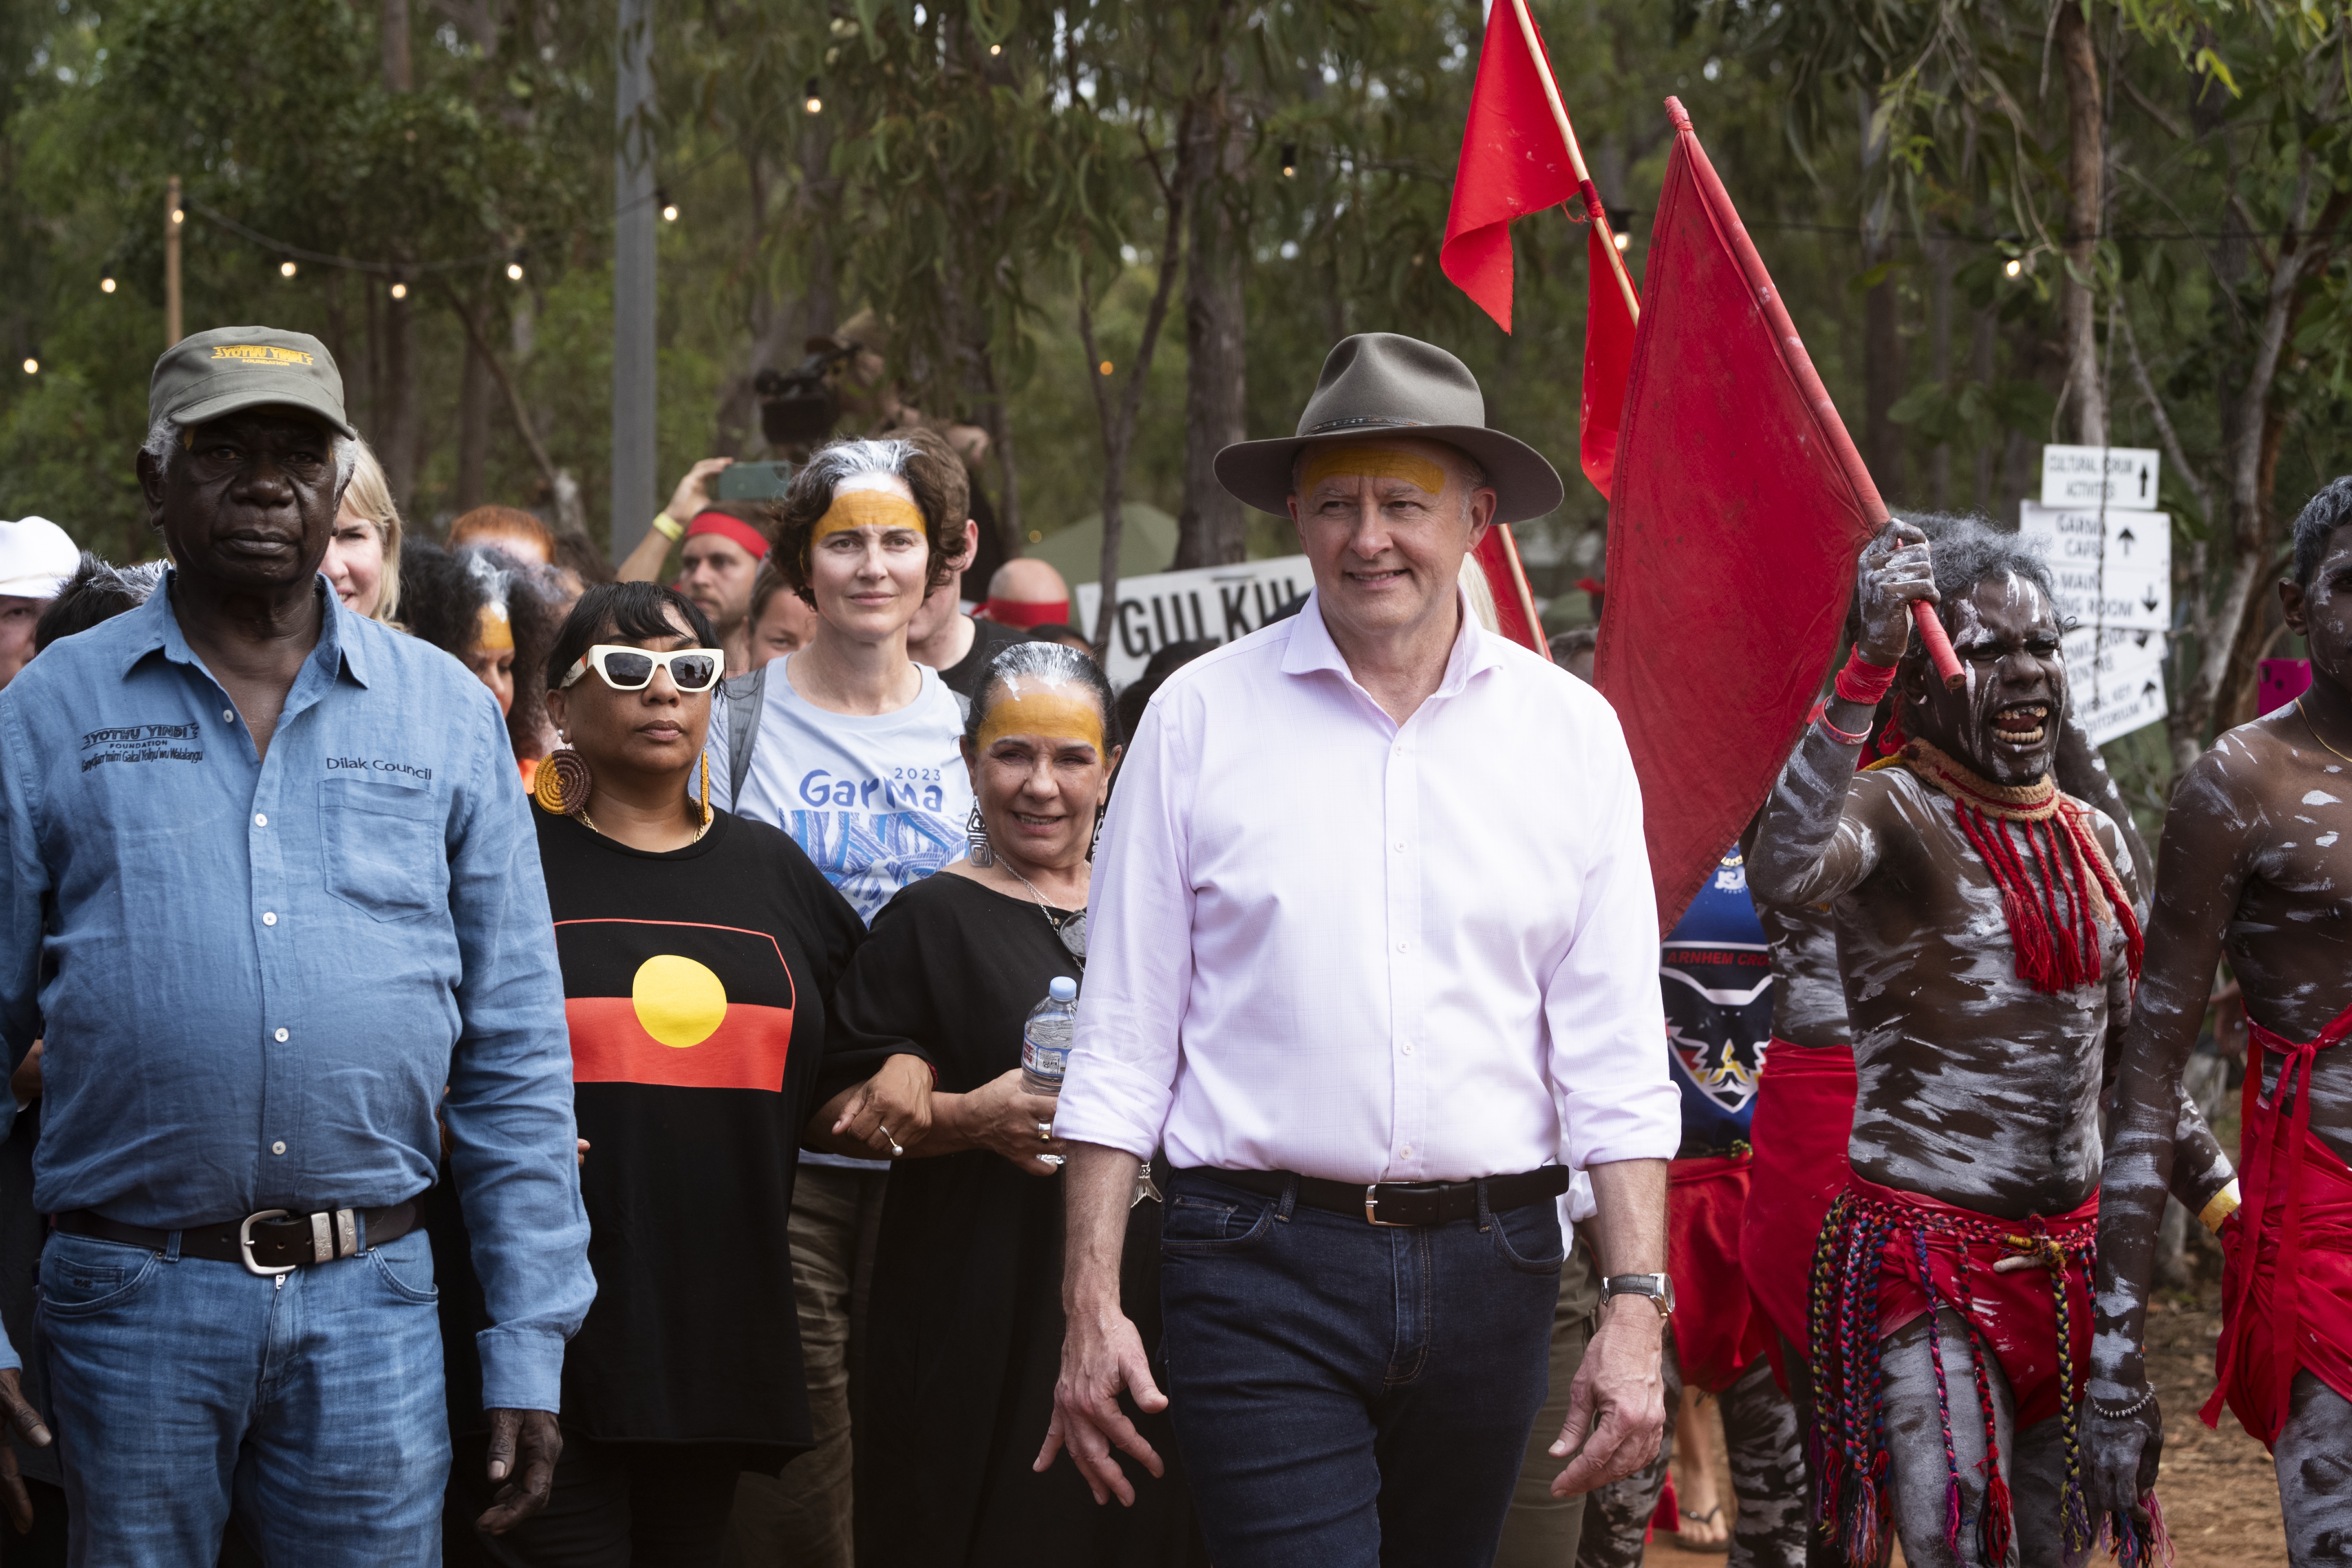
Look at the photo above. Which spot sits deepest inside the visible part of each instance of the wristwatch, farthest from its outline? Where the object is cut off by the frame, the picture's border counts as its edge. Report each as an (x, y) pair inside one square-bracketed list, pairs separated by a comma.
[(1657, 1287)]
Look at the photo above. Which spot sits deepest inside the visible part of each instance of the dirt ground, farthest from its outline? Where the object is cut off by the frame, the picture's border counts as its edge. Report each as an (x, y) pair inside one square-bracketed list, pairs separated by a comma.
[(2220, 1495)]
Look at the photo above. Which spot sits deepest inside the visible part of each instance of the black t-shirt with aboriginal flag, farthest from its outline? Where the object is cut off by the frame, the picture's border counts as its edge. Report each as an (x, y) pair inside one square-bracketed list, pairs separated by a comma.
[(695, 986)]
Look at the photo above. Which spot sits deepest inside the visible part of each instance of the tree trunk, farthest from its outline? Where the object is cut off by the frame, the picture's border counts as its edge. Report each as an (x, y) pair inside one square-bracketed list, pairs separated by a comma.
[(394, 422), (392, 27), (1117, 419), (2085, 395), (473, 426), (1881, 338), (1213, 529), (1939, 348)]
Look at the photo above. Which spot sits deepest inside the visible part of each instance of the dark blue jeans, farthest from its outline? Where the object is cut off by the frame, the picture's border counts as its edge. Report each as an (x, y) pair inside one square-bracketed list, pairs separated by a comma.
[(1346, 1394)]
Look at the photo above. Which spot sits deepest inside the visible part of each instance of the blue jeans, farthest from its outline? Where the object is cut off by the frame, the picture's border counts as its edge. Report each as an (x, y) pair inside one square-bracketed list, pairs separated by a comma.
[(1346, 1394), (312, 1402)]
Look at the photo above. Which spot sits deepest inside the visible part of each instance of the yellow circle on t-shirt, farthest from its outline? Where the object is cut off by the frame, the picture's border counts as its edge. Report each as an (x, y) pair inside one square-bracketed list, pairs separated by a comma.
[(679, 1002)]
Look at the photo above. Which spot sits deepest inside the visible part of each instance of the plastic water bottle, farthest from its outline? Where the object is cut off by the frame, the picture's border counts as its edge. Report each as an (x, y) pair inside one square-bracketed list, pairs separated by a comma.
[(1046, 1037)]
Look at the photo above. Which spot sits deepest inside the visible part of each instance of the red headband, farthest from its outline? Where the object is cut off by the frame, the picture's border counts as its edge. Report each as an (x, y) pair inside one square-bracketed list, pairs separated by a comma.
[(1027, 612), (729, 527)]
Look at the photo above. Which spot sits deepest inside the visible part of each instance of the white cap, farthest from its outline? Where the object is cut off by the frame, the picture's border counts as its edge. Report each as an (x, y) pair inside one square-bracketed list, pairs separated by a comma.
[(1062, 988), (36, 558)]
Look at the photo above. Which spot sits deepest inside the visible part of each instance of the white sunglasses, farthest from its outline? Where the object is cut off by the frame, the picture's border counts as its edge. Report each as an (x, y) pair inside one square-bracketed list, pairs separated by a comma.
[(625, 668)]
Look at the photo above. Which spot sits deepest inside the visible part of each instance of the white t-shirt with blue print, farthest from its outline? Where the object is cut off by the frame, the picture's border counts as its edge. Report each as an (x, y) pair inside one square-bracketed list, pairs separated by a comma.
[(876, 800)]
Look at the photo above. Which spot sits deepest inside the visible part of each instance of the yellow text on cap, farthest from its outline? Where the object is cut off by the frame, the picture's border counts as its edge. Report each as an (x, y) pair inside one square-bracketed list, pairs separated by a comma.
[(260, 354)]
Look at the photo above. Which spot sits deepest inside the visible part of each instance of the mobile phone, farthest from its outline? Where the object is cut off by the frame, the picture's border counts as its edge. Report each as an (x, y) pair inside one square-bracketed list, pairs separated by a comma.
[(751, 481)]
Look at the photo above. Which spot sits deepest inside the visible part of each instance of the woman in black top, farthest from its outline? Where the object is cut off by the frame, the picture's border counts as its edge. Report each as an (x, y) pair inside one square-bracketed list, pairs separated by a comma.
[(964, 1336), (697, 950)]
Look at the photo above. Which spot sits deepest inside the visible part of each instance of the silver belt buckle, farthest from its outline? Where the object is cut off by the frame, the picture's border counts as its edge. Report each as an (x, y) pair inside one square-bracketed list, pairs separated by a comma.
[(1372, 1203), (245, 1244)]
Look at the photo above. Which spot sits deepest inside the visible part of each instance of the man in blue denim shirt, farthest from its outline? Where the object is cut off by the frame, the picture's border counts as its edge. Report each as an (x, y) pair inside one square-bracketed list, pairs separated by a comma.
[(270, 886)]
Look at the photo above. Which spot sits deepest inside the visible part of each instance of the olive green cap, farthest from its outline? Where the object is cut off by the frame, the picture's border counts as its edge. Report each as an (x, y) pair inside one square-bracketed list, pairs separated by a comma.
[(201, 377)]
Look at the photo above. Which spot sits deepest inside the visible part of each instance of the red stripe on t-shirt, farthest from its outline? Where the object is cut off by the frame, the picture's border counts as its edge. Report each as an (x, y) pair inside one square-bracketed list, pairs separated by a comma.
[(609, 1046)]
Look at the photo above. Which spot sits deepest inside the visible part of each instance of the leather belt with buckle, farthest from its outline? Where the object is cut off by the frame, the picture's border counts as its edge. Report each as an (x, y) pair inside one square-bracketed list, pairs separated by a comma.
[(266, 1242), (1403, 1203)]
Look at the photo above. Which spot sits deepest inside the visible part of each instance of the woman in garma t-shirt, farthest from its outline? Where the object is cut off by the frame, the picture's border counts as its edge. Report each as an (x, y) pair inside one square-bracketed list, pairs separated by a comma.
[(857, 751), (699, 952), (858, 755)]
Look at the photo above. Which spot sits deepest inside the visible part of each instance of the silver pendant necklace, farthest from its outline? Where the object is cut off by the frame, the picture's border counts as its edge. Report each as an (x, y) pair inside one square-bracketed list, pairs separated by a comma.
[(1072, 930)]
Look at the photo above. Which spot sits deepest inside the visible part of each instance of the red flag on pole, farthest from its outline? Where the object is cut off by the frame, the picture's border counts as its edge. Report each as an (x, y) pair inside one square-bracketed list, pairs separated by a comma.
[(1610, 323), (1738, 506), (1514, 163), (1515, 604)]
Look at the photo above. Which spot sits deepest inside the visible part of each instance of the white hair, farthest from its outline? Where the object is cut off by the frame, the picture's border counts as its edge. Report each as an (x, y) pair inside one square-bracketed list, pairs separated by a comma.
[(847, 459), (163, 444)]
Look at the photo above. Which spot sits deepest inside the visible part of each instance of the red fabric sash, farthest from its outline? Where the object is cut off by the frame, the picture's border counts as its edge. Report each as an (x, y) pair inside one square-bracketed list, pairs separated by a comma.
[(2287, 1281), (2016, 1314), (1717, 1331), (1888, 1258), (1804, 1116)]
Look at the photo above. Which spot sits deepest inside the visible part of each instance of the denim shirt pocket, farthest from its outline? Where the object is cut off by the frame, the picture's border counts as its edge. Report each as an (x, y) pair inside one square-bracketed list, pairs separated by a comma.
[(386, 846)]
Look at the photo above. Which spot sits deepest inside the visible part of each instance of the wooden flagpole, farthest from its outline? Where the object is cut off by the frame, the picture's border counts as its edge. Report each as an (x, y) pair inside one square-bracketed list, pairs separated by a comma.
[(1592, 207)]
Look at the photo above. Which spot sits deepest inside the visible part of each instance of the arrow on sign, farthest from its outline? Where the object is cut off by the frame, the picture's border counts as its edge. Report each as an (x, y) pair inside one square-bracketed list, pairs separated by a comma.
[(2126, 539), (2151, 686), (2150, 602)]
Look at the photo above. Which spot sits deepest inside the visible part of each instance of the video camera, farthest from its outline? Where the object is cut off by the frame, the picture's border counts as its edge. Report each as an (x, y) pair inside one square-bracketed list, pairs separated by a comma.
[(799, 407)]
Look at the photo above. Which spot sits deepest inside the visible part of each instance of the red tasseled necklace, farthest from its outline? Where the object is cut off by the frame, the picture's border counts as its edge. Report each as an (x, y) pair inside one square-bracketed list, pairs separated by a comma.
[(2055, 887)]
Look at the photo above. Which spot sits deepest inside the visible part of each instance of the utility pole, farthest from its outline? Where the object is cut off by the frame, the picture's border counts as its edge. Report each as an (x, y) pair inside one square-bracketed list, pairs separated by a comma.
[(635, 493), (176, 218)]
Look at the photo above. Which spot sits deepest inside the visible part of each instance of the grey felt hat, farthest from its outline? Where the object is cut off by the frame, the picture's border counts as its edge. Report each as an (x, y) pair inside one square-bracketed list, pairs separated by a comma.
[(1379, 384)]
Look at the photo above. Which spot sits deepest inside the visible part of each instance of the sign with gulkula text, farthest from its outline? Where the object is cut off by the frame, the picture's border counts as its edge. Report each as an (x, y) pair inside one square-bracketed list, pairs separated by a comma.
[(1214, 604), (2114, 477)]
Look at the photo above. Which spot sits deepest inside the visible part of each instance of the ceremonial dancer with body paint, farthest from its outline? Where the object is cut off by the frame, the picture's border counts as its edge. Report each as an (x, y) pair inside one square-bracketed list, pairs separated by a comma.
[(1988, 941), (1716, 975), (2255, 870)]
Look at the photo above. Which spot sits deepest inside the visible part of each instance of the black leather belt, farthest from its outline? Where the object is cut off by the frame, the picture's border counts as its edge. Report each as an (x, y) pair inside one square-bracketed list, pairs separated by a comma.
[(267, 1242), (1403, 1202)]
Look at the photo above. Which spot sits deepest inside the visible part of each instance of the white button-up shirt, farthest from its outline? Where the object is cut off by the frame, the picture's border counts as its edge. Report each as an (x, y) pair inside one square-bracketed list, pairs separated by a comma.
[(1323, 942)]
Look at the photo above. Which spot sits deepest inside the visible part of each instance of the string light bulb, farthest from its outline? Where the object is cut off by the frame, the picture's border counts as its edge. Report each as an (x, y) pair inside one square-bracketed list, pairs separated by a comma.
[(32, 367), (286, 269), (400, 290), (514, 271), (179, 215), (2014, 267), (995, 49), (106, 285), (670, 213), (1104, 367), (809, 99), (1289, 159), (1622, 241)]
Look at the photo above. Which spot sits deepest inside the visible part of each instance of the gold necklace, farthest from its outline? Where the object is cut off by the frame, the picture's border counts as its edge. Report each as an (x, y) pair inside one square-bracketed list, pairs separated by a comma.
[(584, 816), (2314, 729)]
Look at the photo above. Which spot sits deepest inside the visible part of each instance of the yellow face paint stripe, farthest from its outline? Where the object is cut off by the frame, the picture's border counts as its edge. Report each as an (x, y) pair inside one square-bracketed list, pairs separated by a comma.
[(1048, 713), (860, 507), (493, 632), (1372, 462)]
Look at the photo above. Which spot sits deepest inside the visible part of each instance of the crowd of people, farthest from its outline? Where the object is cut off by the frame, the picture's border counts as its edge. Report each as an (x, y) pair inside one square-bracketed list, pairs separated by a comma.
[(518, 1062)]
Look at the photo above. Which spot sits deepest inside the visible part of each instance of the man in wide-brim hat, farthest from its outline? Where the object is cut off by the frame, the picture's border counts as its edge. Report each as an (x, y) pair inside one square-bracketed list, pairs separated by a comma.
[(1373, 965)]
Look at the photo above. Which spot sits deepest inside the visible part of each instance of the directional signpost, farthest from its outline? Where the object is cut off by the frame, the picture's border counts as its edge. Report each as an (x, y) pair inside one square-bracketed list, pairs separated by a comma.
[(2120, 478), (2113, 568)]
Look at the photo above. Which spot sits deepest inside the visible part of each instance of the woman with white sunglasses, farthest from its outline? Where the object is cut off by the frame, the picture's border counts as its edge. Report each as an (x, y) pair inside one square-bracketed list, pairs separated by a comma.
[(699, 952)]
